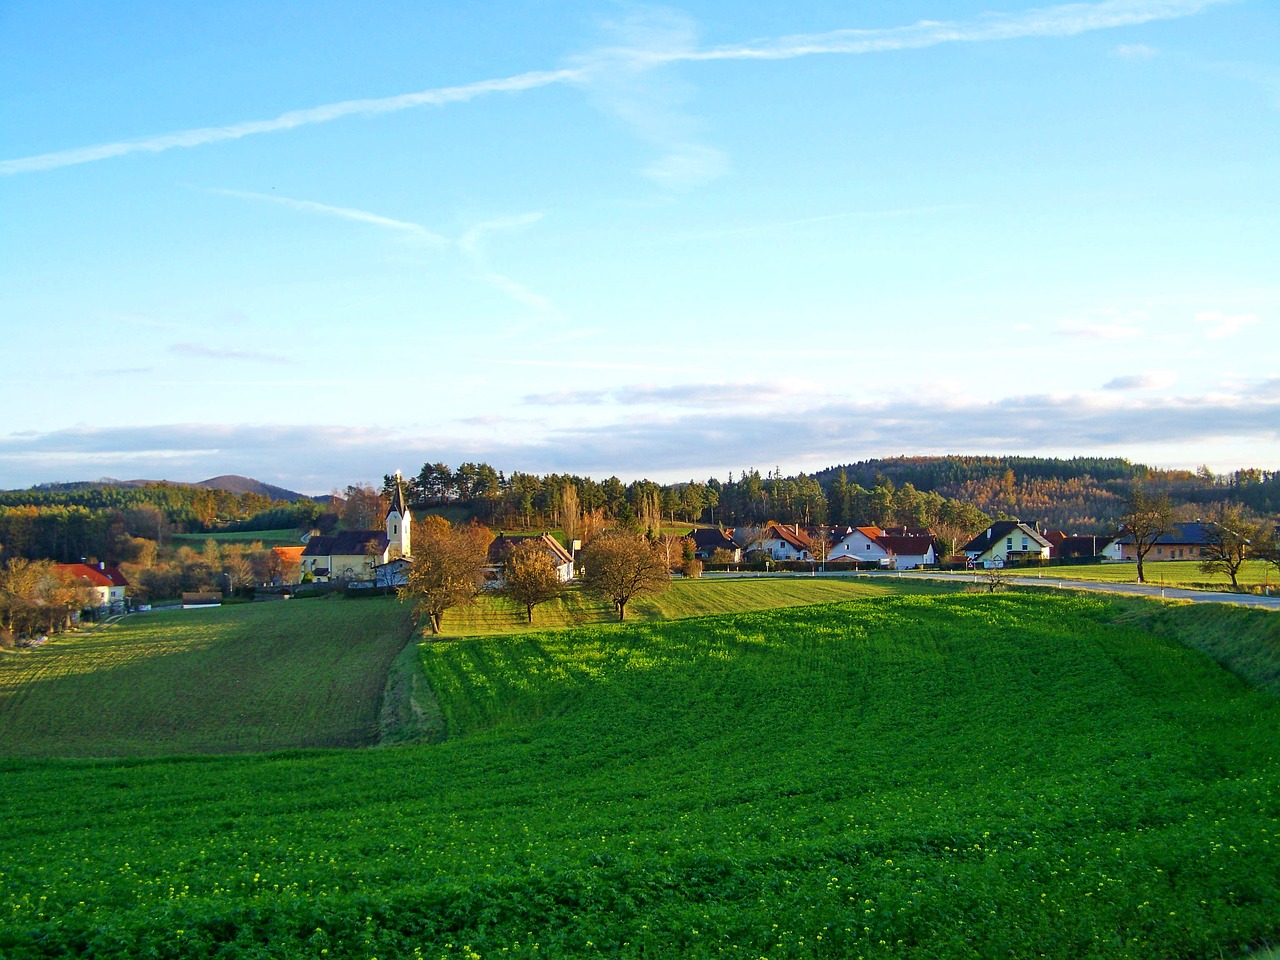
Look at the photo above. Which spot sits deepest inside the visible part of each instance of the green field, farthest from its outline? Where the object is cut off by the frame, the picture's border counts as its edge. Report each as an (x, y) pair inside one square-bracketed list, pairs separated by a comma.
[(962, 775), (1167, 573), (272, 538), (686, 598), (261, 676)]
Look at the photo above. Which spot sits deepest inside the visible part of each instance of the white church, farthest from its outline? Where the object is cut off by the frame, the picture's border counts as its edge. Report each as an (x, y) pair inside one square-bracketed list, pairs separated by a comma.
[(377, 556)]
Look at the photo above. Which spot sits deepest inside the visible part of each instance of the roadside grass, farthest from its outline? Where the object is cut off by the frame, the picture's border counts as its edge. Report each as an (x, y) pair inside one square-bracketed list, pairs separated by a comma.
[(1163, 573), (951, 776), (305, 673), (289, 537), (686, 598)]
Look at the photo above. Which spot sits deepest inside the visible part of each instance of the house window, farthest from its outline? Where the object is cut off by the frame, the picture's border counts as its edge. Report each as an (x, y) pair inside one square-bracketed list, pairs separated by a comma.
[(1024, 544), (1159, 550), (1008, 544)]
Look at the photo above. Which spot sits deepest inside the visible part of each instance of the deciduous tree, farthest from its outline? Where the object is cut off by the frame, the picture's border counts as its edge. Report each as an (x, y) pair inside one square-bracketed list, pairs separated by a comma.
[(619, 566), (529, 577), (1146, 518), (1231, 543), (447, 568)]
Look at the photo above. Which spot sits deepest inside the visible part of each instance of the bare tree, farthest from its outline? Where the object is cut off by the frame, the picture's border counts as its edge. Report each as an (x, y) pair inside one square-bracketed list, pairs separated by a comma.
[(1231, 543), (1147, 517), (570, 514), (619, 566)]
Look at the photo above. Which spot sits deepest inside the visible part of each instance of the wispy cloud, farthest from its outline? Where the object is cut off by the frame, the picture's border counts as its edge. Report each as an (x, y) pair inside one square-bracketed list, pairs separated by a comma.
[(1155, 380), (291, 120), (1135, 51), (1220, 326), (222, 353), (1119, 330), (616, 71), (344, 213)]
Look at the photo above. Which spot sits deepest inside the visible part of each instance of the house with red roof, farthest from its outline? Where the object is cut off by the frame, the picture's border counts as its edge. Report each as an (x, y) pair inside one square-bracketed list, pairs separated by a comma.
[(902, 548), (106, 584), (785, 542)]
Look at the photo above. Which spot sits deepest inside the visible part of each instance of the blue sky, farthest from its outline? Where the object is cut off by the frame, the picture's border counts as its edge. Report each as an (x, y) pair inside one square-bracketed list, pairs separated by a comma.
[(314, 243)]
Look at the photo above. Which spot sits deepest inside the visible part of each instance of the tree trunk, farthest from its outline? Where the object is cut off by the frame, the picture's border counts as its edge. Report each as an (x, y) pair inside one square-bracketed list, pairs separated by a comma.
[(622, 611), (1141, 578), (529, 611)]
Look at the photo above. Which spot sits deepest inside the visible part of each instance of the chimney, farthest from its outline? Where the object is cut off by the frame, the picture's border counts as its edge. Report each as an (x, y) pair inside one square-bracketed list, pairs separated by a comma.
[(102, 565)]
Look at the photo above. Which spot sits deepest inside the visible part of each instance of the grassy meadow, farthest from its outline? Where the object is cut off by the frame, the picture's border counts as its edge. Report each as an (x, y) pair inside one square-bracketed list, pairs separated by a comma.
[(685, 598), (959, 775), (263, 676), (1166, 573), (288, 537)]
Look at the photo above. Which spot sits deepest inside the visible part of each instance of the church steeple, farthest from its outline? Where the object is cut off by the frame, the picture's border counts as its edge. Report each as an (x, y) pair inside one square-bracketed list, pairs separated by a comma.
[(398, 522)]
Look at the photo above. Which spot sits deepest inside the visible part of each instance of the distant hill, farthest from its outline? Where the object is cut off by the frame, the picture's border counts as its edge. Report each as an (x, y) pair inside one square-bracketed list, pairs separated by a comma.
[(229, 482), (237, 484)]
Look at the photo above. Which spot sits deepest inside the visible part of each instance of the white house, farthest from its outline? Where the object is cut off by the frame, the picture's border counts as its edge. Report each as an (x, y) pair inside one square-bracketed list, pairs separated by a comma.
[(1006, 542), (786, 542), (106, 584), (897, 550), (503, 544)]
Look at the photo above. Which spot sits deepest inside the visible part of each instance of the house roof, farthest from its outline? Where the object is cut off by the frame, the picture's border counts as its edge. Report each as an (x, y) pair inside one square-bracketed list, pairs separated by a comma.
[(348, 543), (711, 538), (96, 575), (1194, 534), (999, 531), (909, 545), (504, 543), (797, 538)]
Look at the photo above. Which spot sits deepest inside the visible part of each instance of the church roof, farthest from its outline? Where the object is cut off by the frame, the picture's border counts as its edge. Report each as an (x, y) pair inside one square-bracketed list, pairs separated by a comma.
[(348, 543), (397, 500)]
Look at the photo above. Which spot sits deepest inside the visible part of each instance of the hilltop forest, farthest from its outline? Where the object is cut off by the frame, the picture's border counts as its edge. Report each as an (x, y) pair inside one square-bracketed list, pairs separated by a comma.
[(118, 522)]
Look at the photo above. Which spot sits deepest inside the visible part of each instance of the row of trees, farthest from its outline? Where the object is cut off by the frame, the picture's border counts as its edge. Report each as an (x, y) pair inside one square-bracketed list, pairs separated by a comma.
[(1233, 537), (449, 569)]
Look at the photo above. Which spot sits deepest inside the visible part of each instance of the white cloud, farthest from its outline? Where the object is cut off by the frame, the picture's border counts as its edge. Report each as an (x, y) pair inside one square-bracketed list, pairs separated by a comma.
[(1119, 330), (1219, 326), (1135, 51), (1154, 380), (701, 439)]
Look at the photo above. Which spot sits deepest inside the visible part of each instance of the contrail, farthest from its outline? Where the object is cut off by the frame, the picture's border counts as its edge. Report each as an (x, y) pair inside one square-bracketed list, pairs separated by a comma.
[(1059, 21)]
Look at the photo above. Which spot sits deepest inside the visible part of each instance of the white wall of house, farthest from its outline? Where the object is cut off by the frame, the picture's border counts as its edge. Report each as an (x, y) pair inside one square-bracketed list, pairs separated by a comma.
[(858, 546)]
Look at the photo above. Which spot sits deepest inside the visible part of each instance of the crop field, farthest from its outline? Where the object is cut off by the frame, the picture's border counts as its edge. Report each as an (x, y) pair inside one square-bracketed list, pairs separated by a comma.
[(685, 598), (286, 537), (1167, 573), (951, 776), (246, 677)]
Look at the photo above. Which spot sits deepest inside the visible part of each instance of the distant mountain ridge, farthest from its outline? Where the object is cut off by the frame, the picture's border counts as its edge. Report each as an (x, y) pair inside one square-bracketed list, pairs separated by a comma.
[(230, 482)]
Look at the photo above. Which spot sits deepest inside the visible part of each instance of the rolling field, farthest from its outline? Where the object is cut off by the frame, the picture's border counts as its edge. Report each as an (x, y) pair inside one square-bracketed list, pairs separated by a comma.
[(287, 537), (945, 776), (247, 677), (685, 598), (1168, 573)]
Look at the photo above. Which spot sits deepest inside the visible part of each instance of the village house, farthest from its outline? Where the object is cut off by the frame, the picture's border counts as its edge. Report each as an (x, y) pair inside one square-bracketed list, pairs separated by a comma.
[(1006, 543), (1183, 541), (785, 542), (707, 540), (903, 548), (105, 583), (504, 543)]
